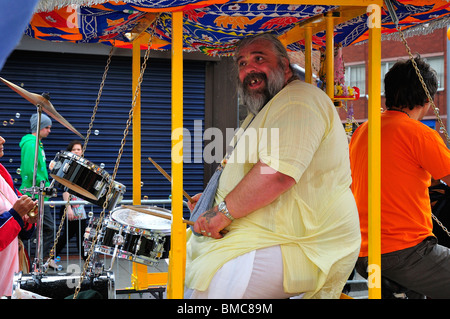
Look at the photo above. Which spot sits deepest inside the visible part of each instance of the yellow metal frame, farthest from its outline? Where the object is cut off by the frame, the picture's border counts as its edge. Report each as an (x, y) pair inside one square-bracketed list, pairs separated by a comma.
[(139, 279), (374, 162), (177, 256)]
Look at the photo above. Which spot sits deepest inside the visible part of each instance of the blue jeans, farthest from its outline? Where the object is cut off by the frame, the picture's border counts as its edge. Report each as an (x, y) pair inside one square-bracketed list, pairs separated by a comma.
[(424, 269)]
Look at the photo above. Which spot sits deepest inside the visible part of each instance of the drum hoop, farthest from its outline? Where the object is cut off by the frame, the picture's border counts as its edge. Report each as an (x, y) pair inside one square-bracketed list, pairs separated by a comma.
[(86, 163), (144, 230)]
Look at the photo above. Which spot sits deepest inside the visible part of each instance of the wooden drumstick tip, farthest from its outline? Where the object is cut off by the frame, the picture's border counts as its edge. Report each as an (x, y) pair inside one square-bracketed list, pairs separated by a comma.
[(162, 171), (156, 214)]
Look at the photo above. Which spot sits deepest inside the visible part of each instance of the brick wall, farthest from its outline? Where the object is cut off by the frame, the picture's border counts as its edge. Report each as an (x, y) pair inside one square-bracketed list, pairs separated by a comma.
[(426, 45)]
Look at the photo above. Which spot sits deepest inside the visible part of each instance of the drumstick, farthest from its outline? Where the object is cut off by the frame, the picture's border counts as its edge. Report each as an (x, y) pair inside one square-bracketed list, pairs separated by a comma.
[(162, 171), (223, 231), (156, 214)]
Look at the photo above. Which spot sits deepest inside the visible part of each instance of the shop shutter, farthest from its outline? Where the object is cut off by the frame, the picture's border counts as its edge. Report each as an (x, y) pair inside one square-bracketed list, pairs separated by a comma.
[(73, 82)]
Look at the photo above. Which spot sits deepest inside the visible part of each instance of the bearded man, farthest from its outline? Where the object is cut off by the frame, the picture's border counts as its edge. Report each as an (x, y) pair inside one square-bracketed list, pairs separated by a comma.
[(284, 221)]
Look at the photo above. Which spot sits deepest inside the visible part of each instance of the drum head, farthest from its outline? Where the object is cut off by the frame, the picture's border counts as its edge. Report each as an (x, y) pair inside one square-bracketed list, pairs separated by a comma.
[(77, 189), (142, 220)]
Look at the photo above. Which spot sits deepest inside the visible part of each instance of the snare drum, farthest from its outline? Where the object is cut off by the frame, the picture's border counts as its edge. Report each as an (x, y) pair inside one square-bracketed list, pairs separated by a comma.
[(79, 175), (62, 285), (139, 237)]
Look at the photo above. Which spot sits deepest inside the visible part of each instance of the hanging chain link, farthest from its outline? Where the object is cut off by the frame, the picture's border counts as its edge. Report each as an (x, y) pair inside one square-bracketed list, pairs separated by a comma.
[(430, 99), (97, 101), (125, 133), (422, 82), (440, 224), (58, 233)]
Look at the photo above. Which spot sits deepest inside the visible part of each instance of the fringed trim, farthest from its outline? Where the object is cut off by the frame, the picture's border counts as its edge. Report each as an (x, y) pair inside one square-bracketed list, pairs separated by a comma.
[(50, 5), (421, 29)]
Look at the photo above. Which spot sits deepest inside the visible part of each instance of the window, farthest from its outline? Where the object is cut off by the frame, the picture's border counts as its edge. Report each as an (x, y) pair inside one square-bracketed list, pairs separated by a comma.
[(436, 63), (355, 75), (385, 66)]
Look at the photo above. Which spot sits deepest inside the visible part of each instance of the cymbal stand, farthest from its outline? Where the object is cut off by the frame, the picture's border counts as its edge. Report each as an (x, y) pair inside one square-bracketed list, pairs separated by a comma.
[(38, 267)]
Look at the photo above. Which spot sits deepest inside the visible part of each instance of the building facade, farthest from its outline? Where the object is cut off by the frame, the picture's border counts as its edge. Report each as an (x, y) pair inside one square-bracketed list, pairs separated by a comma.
[(432, 46)]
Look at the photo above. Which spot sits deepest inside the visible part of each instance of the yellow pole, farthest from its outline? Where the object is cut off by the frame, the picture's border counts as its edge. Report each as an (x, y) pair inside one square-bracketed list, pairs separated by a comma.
[(136, 66), (139, 276), (177, 255), (308, 54), (374, 88), (329, 55)]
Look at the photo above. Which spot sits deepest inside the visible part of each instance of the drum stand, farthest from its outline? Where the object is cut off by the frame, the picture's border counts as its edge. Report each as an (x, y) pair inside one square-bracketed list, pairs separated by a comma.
[(49, 285), (37, 280), (40, 192)]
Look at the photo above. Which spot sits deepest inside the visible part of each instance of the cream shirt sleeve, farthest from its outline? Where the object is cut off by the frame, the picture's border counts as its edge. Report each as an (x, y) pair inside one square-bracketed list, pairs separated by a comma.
[(296, 131)]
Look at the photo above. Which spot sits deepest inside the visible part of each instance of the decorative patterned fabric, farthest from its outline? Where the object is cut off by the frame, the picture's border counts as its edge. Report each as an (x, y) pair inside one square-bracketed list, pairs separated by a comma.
[(214, 26)]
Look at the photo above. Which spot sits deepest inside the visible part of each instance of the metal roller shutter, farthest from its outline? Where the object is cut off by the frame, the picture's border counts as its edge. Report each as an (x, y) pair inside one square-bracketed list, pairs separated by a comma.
[(73, 82)]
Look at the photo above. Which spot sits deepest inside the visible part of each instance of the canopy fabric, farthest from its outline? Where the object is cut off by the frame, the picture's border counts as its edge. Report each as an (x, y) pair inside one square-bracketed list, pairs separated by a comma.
[(214, 26)]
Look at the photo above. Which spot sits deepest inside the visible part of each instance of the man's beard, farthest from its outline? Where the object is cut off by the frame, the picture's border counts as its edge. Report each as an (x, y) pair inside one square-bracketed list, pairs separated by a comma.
[(255, 100)]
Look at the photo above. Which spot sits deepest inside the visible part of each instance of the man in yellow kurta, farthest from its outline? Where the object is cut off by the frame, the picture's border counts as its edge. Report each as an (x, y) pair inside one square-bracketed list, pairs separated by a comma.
[(283, 196)]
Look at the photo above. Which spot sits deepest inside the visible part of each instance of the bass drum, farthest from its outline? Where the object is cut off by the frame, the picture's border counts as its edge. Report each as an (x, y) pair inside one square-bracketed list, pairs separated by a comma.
[(62, 285)]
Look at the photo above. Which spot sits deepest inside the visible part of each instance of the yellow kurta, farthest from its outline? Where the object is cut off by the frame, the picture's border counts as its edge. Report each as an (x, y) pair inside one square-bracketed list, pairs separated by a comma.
[(297, 133)]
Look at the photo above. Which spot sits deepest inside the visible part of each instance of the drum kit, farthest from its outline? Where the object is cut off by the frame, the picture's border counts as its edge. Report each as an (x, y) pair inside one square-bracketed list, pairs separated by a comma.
[(134, 233)]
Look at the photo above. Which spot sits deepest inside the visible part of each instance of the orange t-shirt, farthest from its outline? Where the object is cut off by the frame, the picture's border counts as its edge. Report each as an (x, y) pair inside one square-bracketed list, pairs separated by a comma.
[(411, 153)]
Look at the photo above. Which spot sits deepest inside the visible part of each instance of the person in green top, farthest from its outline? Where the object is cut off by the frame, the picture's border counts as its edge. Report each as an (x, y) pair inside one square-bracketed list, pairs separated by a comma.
[(27, 153)]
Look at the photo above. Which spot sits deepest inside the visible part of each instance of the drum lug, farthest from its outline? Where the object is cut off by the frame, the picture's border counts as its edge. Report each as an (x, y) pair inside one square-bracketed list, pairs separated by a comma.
[(98, 185), (118, 239), (138, 244), (97, 269), (159, 249), (66, 167)]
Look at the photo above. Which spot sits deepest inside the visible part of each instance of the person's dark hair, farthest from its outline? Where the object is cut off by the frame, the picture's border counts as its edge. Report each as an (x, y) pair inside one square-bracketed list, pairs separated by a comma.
[(402, 87), (71, 144)]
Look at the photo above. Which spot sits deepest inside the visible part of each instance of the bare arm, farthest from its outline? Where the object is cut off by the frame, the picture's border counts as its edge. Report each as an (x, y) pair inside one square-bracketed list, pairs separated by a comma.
[(69, 212), (261, 186)]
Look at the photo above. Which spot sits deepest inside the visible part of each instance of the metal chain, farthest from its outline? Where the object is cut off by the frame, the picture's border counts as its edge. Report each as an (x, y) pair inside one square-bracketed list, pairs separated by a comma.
[(430, 99), (58, 233), (125, 133), (422, 82), (97, 101), (440, 224)]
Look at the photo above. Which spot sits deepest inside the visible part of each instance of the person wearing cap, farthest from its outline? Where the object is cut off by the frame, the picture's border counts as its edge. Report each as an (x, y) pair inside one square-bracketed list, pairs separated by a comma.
[(27, 153)]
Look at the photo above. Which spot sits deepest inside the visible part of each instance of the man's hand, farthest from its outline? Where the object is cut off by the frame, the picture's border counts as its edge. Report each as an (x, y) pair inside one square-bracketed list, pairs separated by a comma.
[(212, 223), (195, 198)]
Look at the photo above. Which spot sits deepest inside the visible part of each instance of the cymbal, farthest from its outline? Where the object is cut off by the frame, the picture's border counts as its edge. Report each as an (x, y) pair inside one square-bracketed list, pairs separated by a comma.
[(47, 106)]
